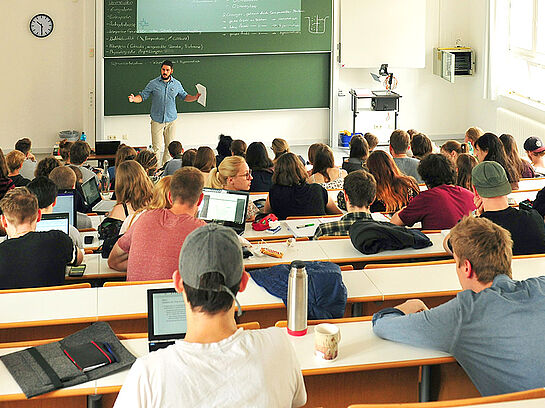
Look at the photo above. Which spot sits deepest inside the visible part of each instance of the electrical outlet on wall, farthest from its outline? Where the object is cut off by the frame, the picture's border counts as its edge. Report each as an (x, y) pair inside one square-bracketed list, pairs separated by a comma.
[(124, 136), (111, 137)]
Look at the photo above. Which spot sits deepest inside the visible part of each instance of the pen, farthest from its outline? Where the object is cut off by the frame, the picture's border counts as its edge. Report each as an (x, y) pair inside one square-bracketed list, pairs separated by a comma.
[(304, 226)]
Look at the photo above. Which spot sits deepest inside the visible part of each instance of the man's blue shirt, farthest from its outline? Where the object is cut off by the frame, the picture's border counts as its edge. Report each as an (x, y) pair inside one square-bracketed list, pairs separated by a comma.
[(163, 103)]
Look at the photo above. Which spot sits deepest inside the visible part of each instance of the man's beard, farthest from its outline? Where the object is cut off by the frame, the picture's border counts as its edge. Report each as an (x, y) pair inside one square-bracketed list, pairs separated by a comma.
[(167, 78)]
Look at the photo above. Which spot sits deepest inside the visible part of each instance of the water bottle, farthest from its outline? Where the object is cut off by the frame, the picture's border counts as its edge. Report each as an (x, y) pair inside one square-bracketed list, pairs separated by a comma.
[(297, 299), (105, 180), (83, 137)]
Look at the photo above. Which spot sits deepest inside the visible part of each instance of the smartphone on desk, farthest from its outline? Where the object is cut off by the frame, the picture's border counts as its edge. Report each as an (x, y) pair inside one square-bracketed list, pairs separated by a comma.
[(77, 271)]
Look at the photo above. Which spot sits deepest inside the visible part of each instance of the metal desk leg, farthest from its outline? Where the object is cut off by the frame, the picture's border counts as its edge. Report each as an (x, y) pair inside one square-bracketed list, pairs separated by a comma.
[(94, 401), (424, 386)]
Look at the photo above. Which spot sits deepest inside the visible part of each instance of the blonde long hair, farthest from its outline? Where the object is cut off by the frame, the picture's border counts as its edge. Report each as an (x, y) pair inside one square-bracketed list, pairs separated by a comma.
[(160, 194), (229, 167), (132, 185)]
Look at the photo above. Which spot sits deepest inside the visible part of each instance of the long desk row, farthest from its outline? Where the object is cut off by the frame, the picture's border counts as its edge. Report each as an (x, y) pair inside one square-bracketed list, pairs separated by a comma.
[(61, 312), (340, 251)]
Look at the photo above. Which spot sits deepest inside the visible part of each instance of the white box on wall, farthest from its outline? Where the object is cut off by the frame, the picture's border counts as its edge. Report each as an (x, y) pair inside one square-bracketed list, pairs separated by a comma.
[(374, 32)]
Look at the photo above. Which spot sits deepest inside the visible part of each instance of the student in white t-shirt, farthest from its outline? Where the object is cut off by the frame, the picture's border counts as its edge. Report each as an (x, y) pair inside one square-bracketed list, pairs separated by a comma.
[(216, 364)]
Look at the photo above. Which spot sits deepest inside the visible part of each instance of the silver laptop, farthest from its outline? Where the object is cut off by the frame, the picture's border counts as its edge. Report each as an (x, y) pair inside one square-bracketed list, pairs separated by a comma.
[(93, 198), (224, 207), (58, 221), (167, 320), (66, 203)]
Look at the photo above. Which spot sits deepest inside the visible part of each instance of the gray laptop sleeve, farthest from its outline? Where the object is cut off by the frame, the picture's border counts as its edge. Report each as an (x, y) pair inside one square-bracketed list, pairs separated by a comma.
[(45, 368)]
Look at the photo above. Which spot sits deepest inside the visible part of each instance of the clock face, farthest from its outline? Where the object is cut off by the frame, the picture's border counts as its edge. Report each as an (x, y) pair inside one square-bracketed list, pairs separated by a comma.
[(41, 25)]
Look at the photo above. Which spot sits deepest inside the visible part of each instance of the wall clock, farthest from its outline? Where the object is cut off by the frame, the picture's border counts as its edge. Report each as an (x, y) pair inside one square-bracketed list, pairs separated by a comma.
[(41, 25)]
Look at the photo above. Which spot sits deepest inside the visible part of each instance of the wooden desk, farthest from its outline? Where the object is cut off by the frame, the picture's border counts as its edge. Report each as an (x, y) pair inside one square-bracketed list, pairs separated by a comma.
[(532, 183), (519, 196)]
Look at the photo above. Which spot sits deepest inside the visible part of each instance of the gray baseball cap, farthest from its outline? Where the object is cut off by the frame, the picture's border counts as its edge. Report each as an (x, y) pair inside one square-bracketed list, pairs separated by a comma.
[(212, 248)]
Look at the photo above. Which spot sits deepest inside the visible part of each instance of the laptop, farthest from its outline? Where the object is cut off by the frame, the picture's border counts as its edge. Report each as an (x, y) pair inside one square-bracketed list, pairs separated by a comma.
[(225, 207), (106, 147), (93, 198), (49, 222), (66, 204), (167, 320)]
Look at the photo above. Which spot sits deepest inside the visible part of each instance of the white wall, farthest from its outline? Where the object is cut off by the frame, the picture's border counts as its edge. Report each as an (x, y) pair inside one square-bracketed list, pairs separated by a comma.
[(45, 82), (429, 104)]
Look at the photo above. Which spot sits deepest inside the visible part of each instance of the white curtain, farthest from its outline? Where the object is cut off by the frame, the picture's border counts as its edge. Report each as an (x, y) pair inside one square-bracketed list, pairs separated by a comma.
[(496, 45)]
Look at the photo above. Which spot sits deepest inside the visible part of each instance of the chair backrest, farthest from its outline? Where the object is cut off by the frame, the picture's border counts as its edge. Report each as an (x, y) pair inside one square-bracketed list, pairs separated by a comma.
[(346, 268), (44, 288), (399, 265), (514, 396), (249, 326), (284, 323), (130, 283)]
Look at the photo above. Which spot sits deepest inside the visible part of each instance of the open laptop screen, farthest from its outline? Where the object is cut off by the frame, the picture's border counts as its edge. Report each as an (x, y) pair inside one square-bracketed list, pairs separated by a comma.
[(166, 315), (106, 147), (65, 204), (90, 192), (224, 205), (53, 222)]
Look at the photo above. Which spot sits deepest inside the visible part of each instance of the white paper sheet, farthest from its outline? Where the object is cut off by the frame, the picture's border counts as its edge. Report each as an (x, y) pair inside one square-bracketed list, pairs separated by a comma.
[(202, 90)]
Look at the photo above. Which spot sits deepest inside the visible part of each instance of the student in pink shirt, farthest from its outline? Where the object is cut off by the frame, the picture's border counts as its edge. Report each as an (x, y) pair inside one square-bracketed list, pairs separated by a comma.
[(150, 248)]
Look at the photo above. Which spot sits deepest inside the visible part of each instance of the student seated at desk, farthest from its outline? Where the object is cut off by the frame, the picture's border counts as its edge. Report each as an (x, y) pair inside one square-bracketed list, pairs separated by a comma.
[(28, 258), (175, 150), (79, 153), (46, 166), (46, 191), (292, 195), (399, 147), (443, 204), (261, 166), (491, 189), (216, 364), (64, 178), (494, 327), (359, 192), (14, 161), (149, 249), (29, 166), (359, 152), (324, 171)]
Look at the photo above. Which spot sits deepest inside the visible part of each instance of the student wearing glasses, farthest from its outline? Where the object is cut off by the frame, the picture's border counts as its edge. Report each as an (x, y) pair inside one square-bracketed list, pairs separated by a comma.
[(233, 173)]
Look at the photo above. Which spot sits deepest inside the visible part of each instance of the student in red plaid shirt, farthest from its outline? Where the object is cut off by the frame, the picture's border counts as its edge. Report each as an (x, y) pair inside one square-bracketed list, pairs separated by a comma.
[(360, 189)]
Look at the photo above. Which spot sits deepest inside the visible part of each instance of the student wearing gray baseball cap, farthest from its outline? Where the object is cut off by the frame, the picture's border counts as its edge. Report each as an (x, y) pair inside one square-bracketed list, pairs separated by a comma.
[(491, 188), (216, 364)]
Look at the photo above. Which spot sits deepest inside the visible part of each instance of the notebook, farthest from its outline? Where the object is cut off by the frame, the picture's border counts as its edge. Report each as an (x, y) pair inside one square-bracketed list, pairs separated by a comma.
[(224, 207), (93, 198), (167, 320), (58, 221), (66, 203)]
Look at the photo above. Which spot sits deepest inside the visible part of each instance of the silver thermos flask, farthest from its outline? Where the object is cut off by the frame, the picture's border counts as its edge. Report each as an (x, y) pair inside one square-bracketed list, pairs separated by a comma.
[(297, 299)]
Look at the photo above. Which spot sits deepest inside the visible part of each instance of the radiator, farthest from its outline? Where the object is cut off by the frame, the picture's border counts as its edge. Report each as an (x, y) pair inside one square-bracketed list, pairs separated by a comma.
[(519, 126)]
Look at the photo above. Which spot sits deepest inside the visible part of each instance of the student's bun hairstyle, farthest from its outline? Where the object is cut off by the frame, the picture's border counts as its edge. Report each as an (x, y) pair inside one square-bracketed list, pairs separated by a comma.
[(224, 145), (45, 166), (64, 149), (435, 170), (19, 206)]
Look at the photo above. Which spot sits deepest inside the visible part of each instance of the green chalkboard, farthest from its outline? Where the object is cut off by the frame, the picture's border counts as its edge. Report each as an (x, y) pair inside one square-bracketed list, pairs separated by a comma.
[(306, 29), (233, 82)]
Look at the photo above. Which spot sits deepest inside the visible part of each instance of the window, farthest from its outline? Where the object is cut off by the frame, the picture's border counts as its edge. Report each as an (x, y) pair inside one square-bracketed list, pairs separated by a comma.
[(524, 71)]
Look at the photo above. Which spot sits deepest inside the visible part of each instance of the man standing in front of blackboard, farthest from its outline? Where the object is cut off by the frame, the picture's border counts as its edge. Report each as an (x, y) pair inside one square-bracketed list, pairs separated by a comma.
[(164, 89)]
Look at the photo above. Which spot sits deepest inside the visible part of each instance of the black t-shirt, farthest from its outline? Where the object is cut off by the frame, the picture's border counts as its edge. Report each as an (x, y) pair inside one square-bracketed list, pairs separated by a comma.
[(19, 180), (262, 180), (35, 259), (526, 227), (304, 199)]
